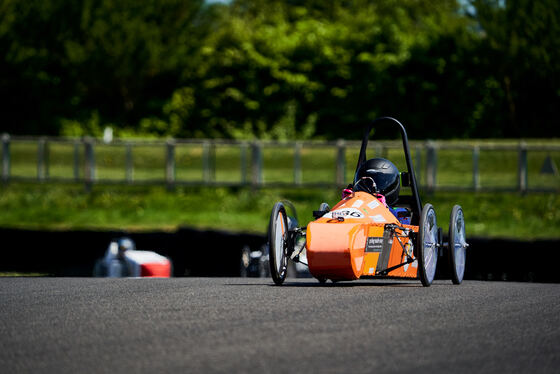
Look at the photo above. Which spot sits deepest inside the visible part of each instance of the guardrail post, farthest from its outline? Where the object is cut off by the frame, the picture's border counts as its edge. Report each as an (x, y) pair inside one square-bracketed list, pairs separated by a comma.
[(256, 164), (209, 161), (205, 162), (170, 163), (379, 150), (129, 163), (297, 163), (340, 162), (47, 151), (5, 158), (476, 171), (89, 164), (418, 164), (213, 161), (76, 160), (244, 168), (41, 159), (431, 166), (522, 168)]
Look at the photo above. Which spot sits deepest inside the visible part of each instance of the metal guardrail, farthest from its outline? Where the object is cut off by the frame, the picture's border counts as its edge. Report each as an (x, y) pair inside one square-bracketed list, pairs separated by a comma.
[(250, 162)]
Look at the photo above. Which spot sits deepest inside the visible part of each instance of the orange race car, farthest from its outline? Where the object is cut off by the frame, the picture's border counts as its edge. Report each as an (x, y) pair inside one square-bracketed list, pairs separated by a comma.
[(372, 232)]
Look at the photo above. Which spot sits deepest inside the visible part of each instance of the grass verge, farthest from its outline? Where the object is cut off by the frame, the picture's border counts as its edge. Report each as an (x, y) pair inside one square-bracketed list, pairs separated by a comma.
[(133, 208)]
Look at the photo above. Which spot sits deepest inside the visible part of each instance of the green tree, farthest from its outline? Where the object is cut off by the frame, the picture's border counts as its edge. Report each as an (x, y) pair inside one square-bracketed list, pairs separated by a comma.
[(303, 68), (119, 60), (280, 68), (520, 53)]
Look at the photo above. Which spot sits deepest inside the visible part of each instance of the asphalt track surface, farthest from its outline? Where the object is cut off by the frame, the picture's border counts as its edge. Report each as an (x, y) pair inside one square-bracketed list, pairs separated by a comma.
[(246, 325)]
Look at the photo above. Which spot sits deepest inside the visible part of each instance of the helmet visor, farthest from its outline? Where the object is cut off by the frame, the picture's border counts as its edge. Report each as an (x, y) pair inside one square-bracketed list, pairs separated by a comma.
[(384, 181)]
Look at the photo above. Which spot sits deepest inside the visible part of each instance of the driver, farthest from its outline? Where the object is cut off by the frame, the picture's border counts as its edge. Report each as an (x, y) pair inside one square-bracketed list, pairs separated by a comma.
[(379, 177), (115, 263), (124, 244)]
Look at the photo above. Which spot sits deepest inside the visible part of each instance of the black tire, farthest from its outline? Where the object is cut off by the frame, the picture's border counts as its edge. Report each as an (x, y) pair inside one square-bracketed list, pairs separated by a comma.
[(457, 245), (428, 240), (278, 239)]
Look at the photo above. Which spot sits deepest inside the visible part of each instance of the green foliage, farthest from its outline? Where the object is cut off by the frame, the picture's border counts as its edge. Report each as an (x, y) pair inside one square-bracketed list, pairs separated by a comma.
[(520, 54), (118, 60), (280, 69), (305, 68)]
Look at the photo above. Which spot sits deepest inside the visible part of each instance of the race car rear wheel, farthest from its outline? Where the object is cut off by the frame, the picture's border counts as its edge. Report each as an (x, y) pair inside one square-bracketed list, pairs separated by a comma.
[(428, 242), (457, 244), (278, 239)]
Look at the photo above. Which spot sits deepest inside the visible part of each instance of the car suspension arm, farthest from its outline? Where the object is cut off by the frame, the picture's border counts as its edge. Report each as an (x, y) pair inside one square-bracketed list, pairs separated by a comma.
[(388, 270)]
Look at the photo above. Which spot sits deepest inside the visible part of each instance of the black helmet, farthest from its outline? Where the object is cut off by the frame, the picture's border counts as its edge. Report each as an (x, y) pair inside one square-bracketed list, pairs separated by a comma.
[(385, 175)]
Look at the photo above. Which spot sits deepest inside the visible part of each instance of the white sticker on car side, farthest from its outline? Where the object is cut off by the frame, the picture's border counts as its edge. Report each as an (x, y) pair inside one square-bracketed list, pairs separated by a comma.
[(378, 218), (374, 204), (357, 204), (345, 213)]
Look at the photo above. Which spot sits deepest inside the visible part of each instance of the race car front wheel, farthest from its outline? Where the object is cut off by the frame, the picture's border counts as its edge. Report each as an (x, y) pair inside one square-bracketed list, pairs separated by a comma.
[(278, 239), (428, 242), (457, 244)]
